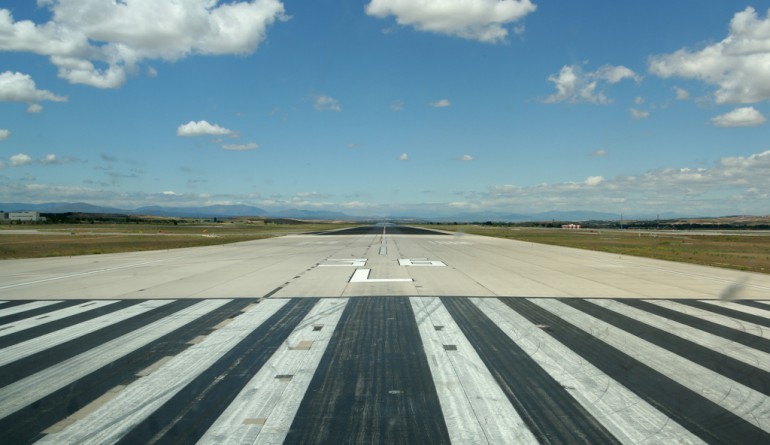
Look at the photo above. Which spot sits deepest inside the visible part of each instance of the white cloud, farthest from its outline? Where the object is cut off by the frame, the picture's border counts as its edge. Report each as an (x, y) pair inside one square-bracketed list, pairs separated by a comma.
[(326, 103), (403, 157), (599, 153), (738, 66), (241, 147), (729, 186), (740, 117), (638, 114), (34, 108), (443, 103), (19, 87), (203, 128), (481, 20), (20, 159), (96, 42), (639, 100), (50, 159), (397, 105), (4, 134), (574, 85), (681, 93), (594, 180), (465, 158), (169, 193)]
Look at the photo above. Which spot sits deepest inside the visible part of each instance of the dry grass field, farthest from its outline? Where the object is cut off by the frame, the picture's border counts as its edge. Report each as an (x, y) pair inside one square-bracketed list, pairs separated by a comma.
[(38, 241), (738, 250)]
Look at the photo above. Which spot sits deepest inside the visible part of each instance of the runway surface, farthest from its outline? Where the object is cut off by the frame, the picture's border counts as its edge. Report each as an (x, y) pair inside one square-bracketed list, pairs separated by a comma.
[(396, 355)]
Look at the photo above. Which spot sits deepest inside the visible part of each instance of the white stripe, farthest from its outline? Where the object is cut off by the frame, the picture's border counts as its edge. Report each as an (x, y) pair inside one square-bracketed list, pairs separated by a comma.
[(23, 392), (26, 307), (627, 416), (722, 320), (265, 408), (751, 405), (716, 343), (35, 345), (475, 409), (140, 399), (55, 315), (764, 313)]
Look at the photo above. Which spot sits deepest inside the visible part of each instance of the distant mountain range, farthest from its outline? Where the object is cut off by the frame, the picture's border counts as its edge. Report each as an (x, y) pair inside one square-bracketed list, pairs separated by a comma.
[(229, 211)]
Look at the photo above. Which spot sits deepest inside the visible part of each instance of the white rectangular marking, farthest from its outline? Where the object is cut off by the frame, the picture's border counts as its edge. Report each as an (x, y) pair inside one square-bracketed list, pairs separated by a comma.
[(420, 262), (362, 276), (55, 315)]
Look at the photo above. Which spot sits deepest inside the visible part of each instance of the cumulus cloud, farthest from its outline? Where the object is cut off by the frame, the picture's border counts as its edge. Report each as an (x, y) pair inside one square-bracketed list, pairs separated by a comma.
[(740, 117), (575, 85), (443, 103), (19, 87), (403, 157), (240, 147), (736, 184), (4, 134), (638, 114), (681, 93), (481, 20), (20, 159), (599, 153), (203, 128), (738, 66), (326, 103), (96, 43), (465, 158)]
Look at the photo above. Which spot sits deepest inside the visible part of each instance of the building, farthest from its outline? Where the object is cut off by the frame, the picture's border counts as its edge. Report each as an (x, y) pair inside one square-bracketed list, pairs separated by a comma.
[(21, 216), (570, 226)]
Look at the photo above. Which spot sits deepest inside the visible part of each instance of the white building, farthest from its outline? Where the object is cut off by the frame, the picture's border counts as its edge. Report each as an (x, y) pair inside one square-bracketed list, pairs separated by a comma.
[(21, 216)]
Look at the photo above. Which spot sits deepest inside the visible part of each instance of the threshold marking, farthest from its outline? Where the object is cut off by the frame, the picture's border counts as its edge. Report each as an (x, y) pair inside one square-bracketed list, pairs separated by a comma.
[(362, 276)]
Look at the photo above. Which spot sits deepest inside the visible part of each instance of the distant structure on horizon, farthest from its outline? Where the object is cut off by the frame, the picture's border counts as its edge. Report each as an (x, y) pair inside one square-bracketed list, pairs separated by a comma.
[(570, 226), (21, 216)]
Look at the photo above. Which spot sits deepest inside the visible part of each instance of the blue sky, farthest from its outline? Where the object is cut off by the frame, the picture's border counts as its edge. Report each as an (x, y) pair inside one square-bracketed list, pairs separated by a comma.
[(388, 107)]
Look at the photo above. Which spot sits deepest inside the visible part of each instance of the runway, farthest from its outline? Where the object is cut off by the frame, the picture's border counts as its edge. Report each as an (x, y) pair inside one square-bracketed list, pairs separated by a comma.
[(399, 356)]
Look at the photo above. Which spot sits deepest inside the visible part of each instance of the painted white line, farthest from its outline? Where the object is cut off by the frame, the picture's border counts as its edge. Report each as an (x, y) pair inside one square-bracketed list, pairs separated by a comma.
[(23, 392), (749, 404), (475, 408), (355, 262), (27, 307), (265, 409), (628, 417), (37, 344), (713, 317), (55, 315), (141, 398), (91, 272), (718, 344), (362, 276)]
